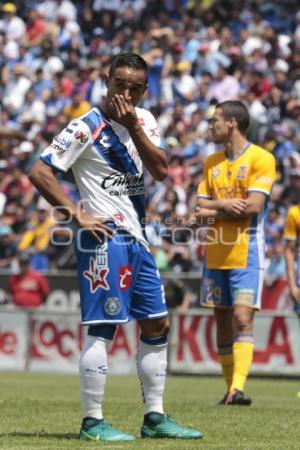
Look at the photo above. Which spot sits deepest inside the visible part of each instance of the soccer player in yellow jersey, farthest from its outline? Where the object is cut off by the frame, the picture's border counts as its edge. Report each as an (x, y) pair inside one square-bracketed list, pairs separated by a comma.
[(292, 253), (236, 185)]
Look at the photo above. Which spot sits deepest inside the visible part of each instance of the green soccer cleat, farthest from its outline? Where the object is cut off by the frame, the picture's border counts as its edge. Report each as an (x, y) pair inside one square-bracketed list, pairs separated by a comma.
[(100, 430), (167, 428)]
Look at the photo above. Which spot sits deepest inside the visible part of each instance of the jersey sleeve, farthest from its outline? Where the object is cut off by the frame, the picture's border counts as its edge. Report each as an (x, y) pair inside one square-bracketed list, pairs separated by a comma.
[(150, 128), (263, 174), (67, 146), (204, 190), (290, 229)]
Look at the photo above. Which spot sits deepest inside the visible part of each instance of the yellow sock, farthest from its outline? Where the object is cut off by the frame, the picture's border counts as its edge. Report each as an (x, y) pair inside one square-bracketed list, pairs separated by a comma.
[(226, 362), (242, 357)]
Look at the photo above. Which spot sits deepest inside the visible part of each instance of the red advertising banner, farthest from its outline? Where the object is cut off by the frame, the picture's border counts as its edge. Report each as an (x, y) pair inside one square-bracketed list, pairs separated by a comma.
[(44, 341), (13, 340), (193, 344)]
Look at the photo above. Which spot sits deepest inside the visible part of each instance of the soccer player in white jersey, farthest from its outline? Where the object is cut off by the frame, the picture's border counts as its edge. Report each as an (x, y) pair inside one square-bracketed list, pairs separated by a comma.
[(118, 279)]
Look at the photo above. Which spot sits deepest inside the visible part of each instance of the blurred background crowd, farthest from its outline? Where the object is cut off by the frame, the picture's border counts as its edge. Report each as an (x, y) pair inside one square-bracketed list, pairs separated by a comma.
[(53, 57)]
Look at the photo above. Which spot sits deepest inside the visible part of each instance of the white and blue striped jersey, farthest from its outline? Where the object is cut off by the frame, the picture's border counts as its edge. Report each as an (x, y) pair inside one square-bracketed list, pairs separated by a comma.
[(107, 167)]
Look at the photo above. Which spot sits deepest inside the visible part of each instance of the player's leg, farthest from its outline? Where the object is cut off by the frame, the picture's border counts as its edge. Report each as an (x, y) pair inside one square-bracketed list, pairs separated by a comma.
[(148, 307), (102, 306), (243, 346), (152, 362), (93, 371), (246, 287), (215, 294), (225, 335)]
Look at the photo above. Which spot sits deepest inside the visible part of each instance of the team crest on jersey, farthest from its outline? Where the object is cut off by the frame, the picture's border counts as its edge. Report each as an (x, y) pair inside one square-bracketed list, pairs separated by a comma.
[(216, 172), (112, 306), (242, 173), (98, 270), (81, 137), (125, 277)]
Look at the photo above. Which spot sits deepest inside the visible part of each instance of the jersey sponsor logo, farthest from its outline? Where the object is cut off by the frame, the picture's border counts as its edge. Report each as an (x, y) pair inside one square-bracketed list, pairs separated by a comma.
[(62, 142), (133, 184), (112, 306), (242, 173), (231, 192), (81, 137), (98, 270), (125, 277), (119, 179), (59, 151)]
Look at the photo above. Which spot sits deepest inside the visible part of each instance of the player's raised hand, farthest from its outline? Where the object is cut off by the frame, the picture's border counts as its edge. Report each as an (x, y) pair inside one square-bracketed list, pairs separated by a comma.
[(123, 110), (94, 225), (234, 206)]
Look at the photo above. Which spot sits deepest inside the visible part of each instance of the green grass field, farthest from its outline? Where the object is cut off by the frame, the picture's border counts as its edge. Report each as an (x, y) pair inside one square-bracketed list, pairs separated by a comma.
[(41, 411)]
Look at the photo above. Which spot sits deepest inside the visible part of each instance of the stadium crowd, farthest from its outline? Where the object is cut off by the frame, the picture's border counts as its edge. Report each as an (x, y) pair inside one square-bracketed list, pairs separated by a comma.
[(53, 57)]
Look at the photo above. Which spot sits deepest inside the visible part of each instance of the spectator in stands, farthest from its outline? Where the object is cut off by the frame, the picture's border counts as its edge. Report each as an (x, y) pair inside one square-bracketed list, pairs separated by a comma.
[(36, 239), (242, 52), (8, 248), (28, 289), (12, 25), (276, 268), (77, 107)]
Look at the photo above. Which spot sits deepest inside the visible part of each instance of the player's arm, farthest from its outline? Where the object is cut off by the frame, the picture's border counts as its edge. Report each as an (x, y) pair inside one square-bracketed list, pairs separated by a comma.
[(221, 208), (261, 179), (207, 207), (43, 178), (61, 154), (153, 157)]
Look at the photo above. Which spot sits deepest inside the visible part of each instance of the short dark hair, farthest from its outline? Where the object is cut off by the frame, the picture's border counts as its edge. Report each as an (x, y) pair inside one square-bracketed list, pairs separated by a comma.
[(131, 60), (237, 110)]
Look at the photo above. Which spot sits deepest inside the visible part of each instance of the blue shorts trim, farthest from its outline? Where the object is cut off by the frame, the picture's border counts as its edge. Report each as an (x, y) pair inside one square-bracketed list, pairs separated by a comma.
[(118, 280), (228, 288)]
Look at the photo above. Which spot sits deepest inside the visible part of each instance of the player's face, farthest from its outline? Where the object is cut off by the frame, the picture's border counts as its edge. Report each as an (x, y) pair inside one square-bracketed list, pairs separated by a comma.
[(127, 82), (220, 127)]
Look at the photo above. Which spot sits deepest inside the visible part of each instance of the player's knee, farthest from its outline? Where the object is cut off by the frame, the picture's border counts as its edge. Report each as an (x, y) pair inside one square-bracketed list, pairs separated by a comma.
[(243, 323), (164, 328), (161, 327), (155, 328)]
